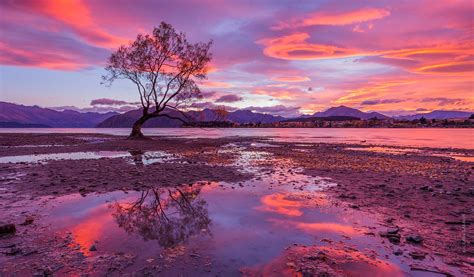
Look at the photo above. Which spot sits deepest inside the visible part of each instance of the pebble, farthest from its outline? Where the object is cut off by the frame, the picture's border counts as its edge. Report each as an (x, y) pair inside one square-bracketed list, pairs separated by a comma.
[(414, 239)]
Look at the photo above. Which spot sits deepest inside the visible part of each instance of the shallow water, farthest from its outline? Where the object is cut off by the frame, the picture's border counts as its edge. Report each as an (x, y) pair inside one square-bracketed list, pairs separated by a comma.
[(408, 151), (421, 137), (133, 157), (218, 228)]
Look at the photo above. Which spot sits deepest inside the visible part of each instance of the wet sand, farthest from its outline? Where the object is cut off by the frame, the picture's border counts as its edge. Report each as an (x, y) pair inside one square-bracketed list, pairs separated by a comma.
[(99, 204)]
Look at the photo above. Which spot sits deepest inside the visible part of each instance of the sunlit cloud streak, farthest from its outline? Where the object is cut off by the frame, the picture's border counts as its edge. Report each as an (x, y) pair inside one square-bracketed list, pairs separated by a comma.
[(335, 18)]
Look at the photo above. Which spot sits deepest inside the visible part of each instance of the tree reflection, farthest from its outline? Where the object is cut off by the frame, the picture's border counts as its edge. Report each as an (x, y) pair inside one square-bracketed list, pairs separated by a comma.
[(169, 216)]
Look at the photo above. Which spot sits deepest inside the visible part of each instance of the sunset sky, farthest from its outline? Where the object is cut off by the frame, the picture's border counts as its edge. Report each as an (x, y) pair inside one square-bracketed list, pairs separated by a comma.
[(281, 57)]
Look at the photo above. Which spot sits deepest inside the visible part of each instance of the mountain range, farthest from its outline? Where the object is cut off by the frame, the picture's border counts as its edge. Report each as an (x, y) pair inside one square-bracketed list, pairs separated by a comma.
[(437, 115), (20, 116), (127, 119)]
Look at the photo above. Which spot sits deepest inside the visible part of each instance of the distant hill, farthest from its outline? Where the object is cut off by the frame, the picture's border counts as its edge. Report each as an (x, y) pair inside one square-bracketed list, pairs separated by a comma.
[(20, 116), (328, 118), (127, 119), (346, 111), (246, 116), (438, 115)]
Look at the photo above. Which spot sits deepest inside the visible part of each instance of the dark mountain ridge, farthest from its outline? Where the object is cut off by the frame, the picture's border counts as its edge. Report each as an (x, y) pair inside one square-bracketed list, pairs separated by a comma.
[(34, 116), (127, 119)]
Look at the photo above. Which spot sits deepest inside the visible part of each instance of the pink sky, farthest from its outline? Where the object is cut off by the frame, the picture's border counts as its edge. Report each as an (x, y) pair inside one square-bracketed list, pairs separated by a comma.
[(284, 57)]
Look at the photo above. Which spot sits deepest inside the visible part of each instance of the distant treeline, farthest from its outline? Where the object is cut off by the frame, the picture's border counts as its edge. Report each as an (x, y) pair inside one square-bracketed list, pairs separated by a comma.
[(342, 122)]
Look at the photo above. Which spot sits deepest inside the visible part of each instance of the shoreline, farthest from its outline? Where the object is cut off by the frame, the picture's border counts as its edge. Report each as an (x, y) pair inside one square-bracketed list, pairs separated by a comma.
[(419, 194)]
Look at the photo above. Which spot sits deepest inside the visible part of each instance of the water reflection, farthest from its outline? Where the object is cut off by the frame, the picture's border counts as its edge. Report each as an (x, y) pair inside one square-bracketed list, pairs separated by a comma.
[(169, 216)]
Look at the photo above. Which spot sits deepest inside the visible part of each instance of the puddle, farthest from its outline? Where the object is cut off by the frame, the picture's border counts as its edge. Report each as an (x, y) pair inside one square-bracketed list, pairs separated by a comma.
[(36, 145), (262, 144), (150, 157), (403, 151), (135, 157), (41, 158), (386, 150), (233, 228), (455, 156)]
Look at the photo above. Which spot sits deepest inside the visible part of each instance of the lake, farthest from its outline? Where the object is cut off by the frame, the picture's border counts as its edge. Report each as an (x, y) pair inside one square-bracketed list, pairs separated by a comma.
[(420, 137)]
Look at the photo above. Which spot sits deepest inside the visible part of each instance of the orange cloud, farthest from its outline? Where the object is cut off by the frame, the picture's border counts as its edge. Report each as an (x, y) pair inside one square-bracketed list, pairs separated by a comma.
[(335, 19), (77, 15), (447, 59), (48, 58), (291, 79), (295, 47), (454, 67), (392, 93), (278, 93), (211, 84)]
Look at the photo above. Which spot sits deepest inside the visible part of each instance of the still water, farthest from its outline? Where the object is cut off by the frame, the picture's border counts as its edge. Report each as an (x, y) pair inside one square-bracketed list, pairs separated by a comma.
[(420, 137)]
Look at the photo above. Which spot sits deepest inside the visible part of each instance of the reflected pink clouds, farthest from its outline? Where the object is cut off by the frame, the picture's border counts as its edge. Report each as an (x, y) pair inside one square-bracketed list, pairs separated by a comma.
[(317, 227), (338, 259)]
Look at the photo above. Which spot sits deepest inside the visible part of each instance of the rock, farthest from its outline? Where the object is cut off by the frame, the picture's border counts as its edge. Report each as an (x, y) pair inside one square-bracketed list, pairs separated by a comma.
[(397, 252), (418, 255), (416, 239), (6, 229), (93, 248), (393, 230), (392, 237), (29, 220)]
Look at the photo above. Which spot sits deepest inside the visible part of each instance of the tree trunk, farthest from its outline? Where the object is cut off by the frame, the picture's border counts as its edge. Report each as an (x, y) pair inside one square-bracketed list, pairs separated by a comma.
[(137, 128)]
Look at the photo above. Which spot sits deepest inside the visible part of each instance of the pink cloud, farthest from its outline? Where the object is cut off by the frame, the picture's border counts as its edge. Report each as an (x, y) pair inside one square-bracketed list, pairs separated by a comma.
[(335, 18), (228, 98), (291, 79), (296, 47)]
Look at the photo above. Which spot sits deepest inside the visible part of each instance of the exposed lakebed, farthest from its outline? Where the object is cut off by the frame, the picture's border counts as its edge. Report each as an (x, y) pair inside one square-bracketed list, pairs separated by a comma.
[(278, 220)]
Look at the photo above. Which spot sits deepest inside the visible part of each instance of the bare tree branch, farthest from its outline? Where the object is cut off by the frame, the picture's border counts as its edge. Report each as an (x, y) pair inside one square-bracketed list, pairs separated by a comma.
[(164, 66)]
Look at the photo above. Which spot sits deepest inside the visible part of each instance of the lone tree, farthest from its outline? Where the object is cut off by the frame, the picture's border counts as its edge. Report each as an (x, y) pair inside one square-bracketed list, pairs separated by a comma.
[(164, 66)]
